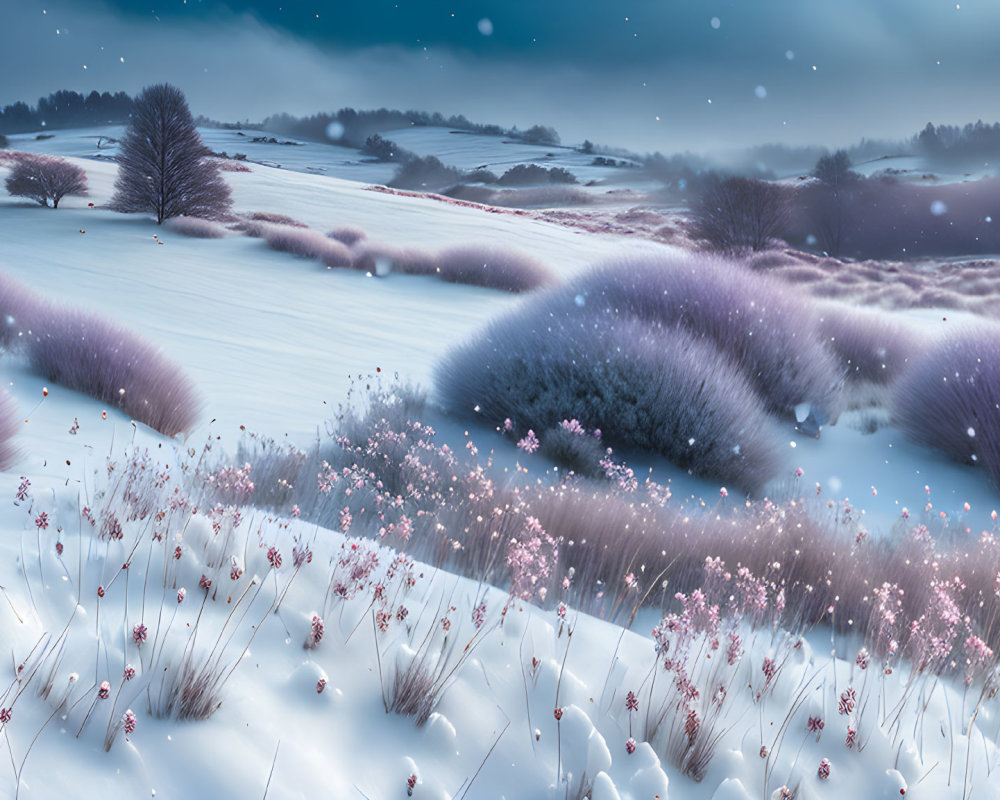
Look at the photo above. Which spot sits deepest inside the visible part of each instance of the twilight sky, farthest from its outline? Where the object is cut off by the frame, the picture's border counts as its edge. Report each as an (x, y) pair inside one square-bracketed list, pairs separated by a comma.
[(646, 74)]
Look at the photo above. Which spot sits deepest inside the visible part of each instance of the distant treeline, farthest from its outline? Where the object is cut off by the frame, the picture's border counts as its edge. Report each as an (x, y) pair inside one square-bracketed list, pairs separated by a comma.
[(66, 109), (971, 141), (352, 127)]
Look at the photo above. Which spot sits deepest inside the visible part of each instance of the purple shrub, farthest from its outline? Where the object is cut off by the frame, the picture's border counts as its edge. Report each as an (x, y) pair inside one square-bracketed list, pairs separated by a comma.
[(579, 452), (308, 244), (347, 236), (769, 331), (46, 179), (275, 219), (642, 384), (492, 267), (872, 346), (10, 424), (163, 166), (99, 358), (949, 398), (18, 309), (196, 227), (380, 259)]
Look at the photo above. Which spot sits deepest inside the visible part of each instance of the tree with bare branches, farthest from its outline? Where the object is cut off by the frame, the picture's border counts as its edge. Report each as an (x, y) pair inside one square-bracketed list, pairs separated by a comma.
[(46, 179)]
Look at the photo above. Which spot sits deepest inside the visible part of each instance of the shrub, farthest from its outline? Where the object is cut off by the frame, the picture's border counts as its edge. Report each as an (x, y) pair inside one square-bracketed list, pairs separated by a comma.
[(46, 179), (196, 227), (764, 326), (427, 173), (10, 424), (18, 310), (643, 384), (532, 174), (871, 346), (277, 219), (492, 267), (735, 214), (88, 354), (163, 166), (308, 244), (379, 259), (949, 398), (579, 452), (347, 236)]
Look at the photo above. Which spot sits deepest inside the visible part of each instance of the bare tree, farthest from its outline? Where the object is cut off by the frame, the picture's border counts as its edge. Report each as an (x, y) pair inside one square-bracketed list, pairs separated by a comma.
[(162, 164), (46, 179), (741, 213)]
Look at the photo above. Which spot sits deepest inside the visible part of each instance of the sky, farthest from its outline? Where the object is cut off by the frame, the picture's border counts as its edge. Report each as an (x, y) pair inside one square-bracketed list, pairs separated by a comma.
[(664, 75)]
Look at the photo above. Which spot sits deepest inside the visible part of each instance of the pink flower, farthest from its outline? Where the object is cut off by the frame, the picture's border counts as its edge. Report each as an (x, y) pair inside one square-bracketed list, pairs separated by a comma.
[(410, 783), (100, 591), (181, 594), (128, 722), (769, 669), (557, 713), (42, 521), (848, 698), (129, 672), (296, 512), (320, 685), (630, 745), (851, 736), (863, 658), (631, 702), (5, 715), (139, 634), (315, 631), (815, 724), (273, 557), (204, 582), (824, 769), (104, 691), (529, 444)]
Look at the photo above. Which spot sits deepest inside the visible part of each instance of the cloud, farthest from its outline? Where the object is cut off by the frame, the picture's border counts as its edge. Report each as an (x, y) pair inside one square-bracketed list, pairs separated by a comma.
[(660, 76)]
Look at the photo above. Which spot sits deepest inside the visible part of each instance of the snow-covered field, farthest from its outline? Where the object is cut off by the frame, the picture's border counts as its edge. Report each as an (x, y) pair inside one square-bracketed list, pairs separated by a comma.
[(532, 701)]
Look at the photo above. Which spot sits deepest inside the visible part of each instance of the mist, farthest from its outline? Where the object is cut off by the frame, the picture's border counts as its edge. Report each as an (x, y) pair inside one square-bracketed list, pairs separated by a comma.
[(702, 77)]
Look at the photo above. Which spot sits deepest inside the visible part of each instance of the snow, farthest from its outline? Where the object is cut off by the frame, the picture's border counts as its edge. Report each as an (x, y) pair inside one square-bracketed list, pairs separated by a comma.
[(274, 344)]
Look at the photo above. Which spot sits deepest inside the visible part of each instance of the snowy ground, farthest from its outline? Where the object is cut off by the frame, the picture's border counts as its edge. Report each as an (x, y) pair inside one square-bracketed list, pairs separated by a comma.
[(272, 342)]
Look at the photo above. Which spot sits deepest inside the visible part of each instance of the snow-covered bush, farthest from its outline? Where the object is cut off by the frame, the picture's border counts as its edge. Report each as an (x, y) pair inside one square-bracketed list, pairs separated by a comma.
[(644, 386), (766, 328), (102, 359), (348, 236), (308, 244), (196, 227), (949, 398), (46, 179), (492, 267), (18, 308), (873, 348), (380, 259)]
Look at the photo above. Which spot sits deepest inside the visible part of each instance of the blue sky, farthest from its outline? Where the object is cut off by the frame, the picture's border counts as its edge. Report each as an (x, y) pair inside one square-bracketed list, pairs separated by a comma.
[(647, 74)]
